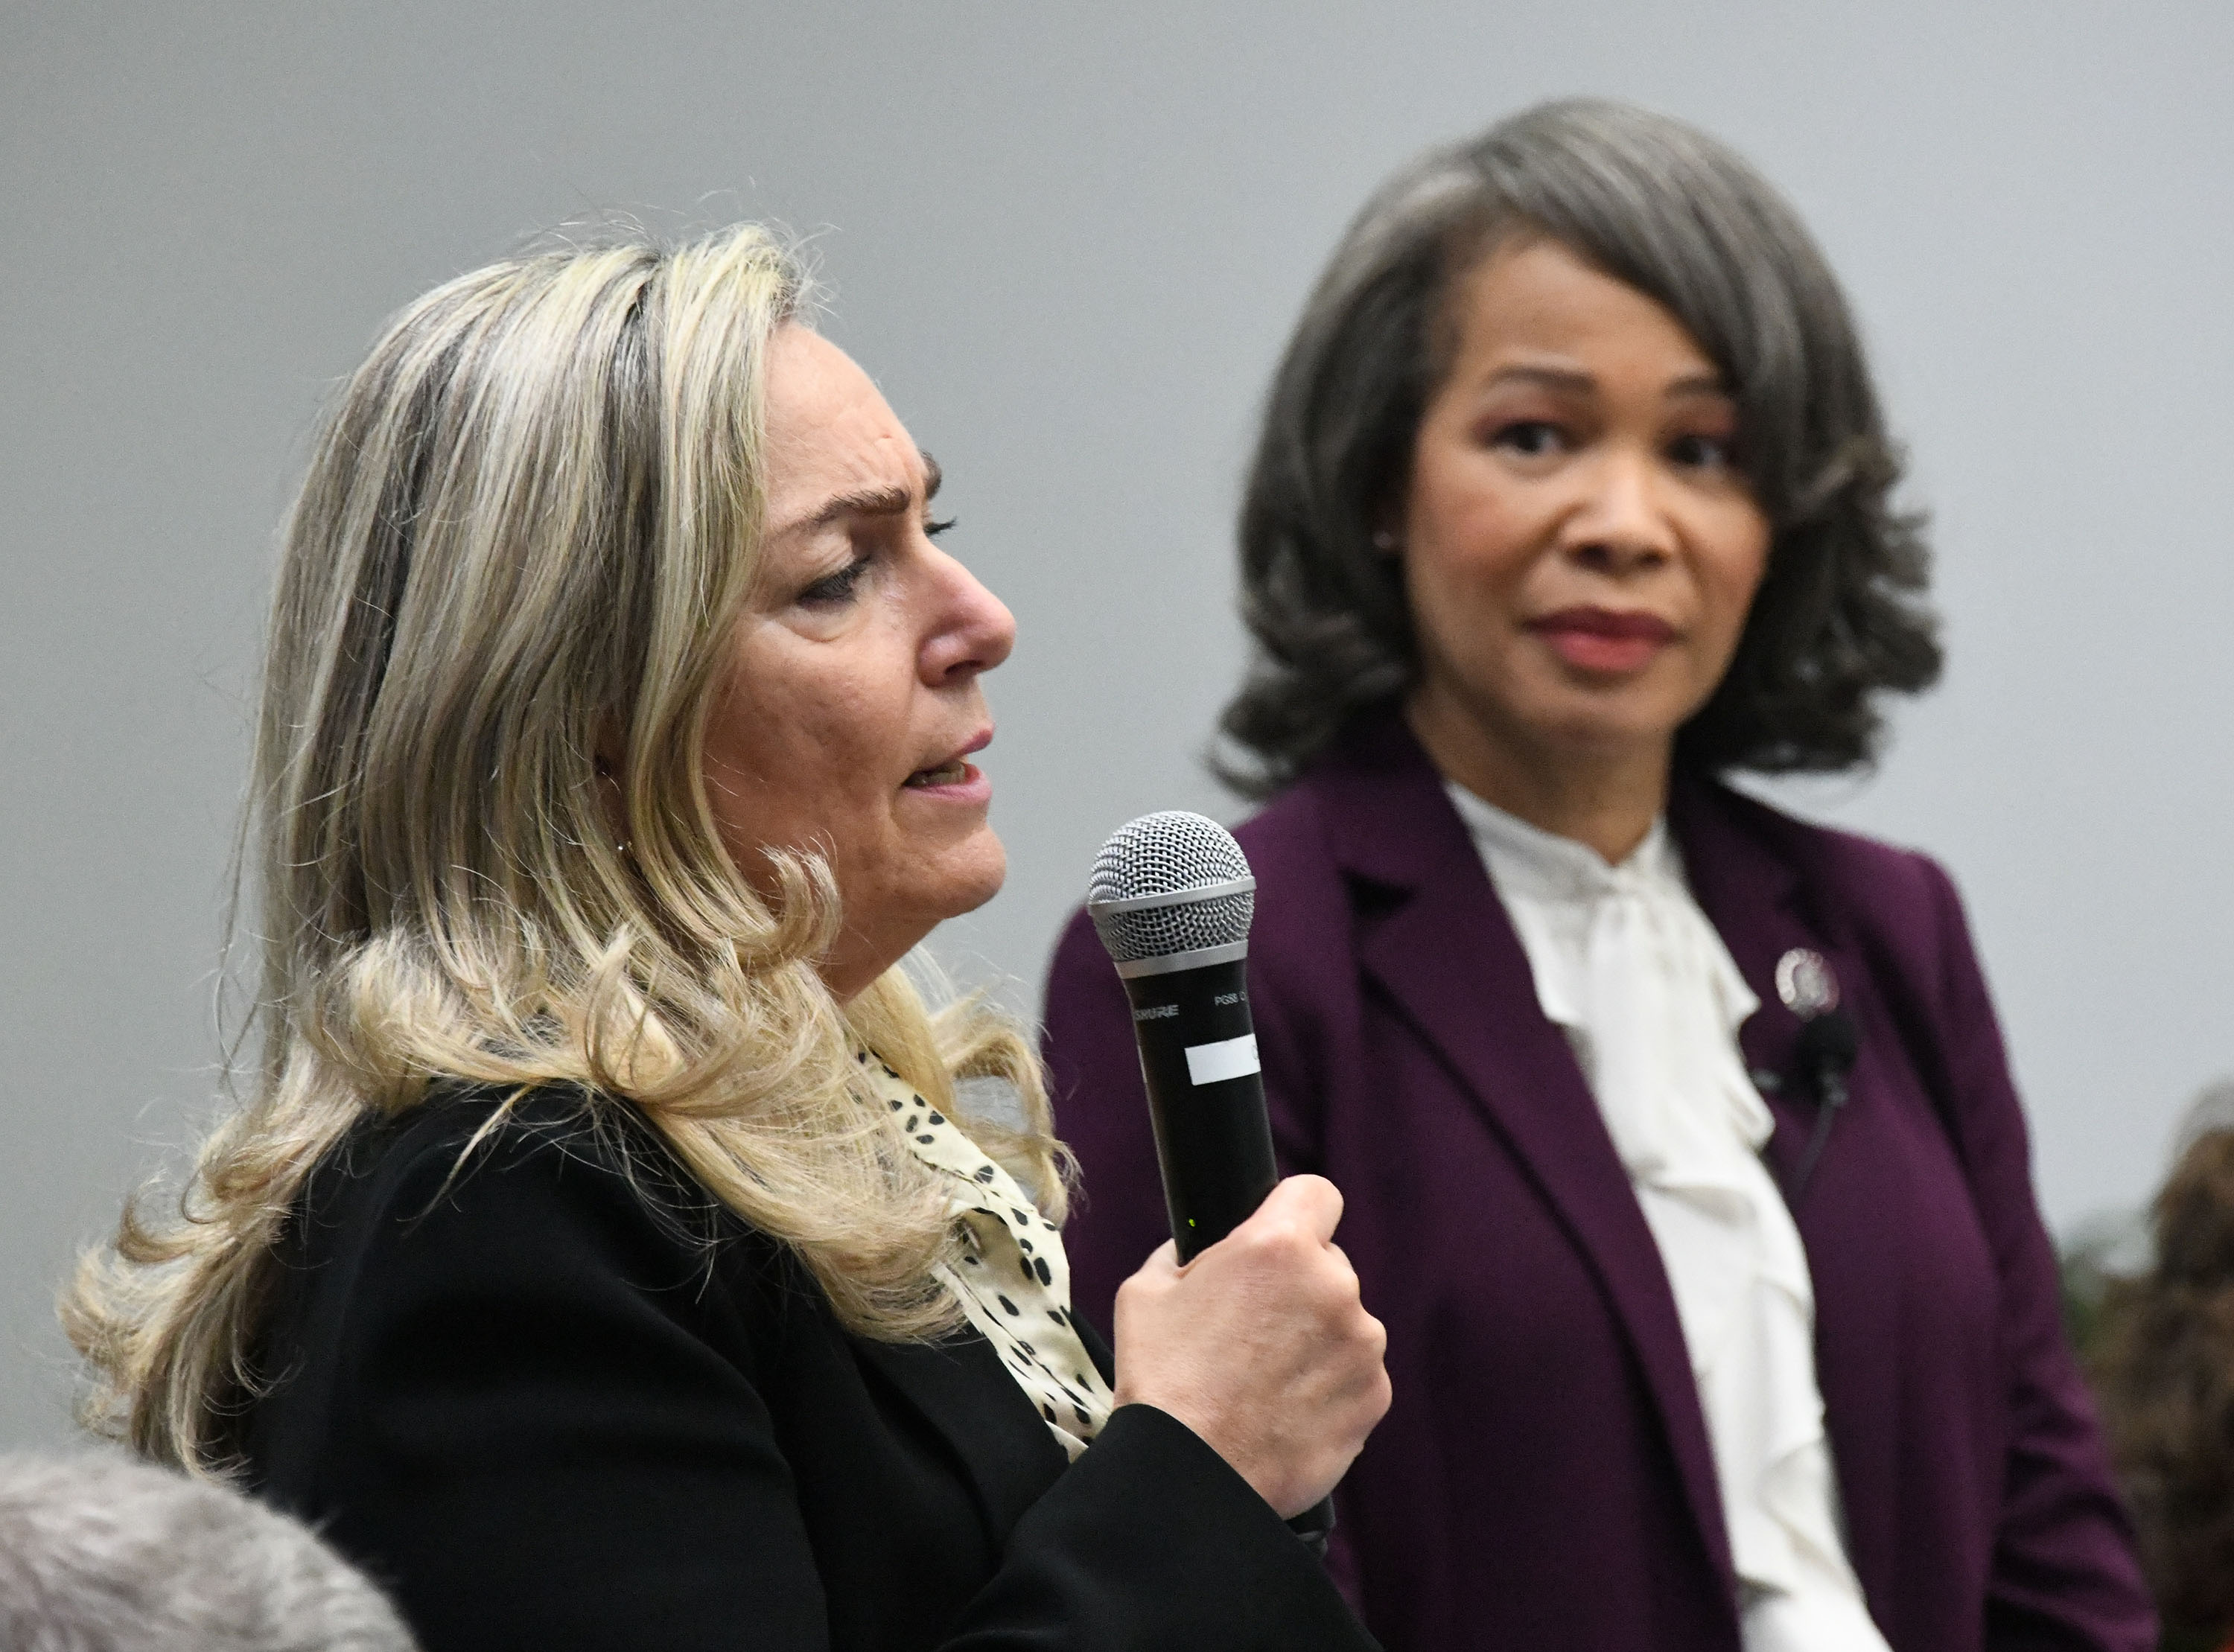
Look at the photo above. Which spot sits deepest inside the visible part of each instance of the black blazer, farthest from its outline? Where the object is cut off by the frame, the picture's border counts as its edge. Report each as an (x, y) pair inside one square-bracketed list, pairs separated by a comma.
[(559, 1400)]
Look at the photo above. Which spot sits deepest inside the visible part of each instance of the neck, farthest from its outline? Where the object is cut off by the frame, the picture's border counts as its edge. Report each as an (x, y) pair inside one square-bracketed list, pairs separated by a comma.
[(858, 960), (1602, 797)]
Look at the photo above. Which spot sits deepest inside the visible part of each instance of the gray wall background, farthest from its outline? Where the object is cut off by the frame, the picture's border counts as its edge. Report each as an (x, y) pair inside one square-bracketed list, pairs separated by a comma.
[(1069, 240)]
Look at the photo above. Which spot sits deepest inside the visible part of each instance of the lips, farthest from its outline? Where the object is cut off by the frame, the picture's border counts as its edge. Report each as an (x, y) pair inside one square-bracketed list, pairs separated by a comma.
[(957, 770), (952, 773), (1604, 641)]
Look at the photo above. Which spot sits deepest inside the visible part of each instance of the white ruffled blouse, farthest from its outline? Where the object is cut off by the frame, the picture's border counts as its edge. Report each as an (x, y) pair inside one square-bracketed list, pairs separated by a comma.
[(1628, 967), (1012, 1278)]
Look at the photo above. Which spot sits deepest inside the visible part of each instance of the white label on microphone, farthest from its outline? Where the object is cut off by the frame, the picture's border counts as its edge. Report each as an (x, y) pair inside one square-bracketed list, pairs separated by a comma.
[(1230, 1058)]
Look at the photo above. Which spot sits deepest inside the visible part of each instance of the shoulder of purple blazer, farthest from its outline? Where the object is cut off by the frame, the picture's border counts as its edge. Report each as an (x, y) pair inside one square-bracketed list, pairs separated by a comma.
[(1083, 1025), (1864, 872), (1895, 904), (1301, 949), (1370, 808), (1079, 957), (1288, 834)]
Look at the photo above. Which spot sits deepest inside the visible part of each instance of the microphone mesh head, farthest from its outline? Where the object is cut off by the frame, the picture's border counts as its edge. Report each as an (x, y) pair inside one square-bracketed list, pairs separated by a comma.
[(1167, 853)]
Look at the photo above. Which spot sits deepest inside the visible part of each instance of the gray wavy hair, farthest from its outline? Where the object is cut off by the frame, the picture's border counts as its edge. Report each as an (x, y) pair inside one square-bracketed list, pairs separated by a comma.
[(1666, 209), (97, 1552)]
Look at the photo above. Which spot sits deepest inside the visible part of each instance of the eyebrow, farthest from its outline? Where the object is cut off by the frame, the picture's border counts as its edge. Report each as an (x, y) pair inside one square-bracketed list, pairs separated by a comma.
[(1553, 378), (877, 501)]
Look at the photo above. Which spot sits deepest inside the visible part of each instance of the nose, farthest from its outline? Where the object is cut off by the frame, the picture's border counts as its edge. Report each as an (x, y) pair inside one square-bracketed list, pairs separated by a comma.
[(1620, 524), (974, 631)]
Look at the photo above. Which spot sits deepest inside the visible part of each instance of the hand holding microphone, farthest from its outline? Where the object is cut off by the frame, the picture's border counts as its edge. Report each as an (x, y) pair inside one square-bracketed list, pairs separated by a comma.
[(1262, 1346), (1249, 1326)]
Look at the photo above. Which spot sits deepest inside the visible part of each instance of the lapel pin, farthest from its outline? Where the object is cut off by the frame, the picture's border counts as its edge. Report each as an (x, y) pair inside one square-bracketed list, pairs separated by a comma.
[(1806, 983)]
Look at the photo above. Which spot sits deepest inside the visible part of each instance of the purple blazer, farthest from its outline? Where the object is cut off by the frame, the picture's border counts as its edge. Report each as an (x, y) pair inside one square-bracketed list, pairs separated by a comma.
[(1544, 1480)]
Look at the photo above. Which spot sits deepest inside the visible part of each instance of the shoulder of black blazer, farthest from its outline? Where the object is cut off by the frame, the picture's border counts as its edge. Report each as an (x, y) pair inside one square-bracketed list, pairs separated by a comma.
[(522, 1366)]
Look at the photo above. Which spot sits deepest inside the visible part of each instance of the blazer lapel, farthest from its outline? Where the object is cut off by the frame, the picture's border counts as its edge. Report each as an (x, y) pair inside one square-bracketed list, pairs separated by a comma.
[(1755, 897), (960, 1389), (1435, 937), (1748, 895)]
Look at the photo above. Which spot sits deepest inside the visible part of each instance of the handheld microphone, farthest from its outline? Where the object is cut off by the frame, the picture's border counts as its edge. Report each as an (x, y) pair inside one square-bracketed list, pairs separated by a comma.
[(1172, 897)]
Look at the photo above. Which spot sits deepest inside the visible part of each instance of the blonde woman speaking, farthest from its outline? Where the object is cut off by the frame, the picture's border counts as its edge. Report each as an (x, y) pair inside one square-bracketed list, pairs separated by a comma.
[(604, 1258)]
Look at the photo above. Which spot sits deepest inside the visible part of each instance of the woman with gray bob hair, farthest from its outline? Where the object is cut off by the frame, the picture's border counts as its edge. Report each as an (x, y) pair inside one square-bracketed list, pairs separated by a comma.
[(1668, 211), (1686, 1169)]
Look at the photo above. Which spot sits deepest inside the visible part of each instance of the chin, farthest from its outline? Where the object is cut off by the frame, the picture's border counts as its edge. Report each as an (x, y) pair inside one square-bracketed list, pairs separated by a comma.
[(1613, 719), (974, 874), (1610, 736), (892, 914)]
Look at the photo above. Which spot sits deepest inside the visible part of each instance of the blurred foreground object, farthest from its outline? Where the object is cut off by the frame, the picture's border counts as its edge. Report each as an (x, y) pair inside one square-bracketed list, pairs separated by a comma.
[(2162, 1365), (101, 1554)]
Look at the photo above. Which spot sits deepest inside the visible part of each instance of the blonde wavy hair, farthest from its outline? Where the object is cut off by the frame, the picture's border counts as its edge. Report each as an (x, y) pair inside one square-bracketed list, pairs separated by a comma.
[(531, 517)]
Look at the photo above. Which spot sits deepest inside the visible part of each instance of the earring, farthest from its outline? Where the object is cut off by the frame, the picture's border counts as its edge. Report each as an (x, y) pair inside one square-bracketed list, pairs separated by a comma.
[(1384, 540)]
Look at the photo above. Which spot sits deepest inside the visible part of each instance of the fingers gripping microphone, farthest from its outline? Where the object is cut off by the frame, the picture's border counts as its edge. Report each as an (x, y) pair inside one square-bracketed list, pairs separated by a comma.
[(1172, 897)]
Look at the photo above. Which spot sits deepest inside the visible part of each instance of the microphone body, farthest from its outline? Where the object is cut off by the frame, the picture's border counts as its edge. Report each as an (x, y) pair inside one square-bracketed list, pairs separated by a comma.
[(1172, 897), (1205, 1098)]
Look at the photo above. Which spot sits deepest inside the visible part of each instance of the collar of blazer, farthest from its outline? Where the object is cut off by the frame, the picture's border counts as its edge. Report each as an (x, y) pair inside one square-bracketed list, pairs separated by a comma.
[(963, 1392), (959, 1389), (1431, 932)]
